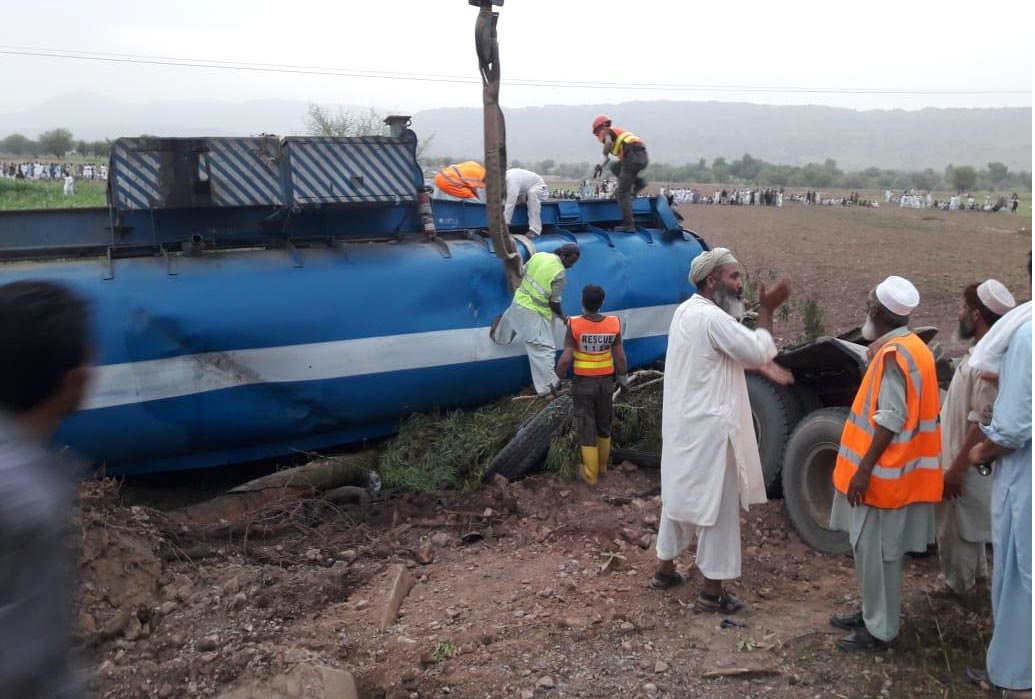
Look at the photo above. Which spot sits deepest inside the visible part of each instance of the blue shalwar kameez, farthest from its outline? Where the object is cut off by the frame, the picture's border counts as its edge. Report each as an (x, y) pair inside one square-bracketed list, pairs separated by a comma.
[(1009, 653)]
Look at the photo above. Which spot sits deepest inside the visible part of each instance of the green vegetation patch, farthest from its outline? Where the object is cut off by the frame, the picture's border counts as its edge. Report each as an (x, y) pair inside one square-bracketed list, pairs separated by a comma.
[(454, 449), (32, 194)]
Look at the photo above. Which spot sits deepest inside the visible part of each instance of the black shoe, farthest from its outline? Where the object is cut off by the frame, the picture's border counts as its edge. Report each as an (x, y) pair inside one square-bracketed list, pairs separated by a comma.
[(848, 622), (860, 640)]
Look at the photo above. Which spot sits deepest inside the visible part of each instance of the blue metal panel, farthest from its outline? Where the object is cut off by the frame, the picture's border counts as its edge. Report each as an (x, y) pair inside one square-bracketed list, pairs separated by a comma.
[(135, 173), (371, 169), (245, 171)]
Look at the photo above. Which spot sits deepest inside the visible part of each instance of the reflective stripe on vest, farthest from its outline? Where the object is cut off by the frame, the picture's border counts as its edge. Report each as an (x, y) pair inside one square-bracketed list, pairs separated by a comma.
[(593, 343), (461, 180), (622, 139), (910, 468), (536, 284)]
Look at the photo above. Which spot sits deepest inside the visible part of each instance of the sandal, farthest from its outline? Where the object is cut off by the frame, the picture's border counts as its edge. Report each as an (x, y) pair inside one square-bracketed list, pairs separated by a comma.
[(721, 604), (979, 678), (663, 581)]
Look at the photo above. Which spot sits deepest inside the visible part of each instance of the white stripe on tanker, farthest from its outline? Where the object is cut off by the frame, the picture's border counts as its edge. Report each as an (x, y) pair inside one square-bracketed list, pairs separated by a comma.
[(173, 377)]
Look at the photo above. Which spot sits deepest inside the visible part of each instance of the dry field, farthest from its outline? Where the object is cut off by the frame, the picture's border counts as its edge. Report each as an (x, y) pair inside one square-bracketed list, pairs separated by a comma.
[(837, 254)]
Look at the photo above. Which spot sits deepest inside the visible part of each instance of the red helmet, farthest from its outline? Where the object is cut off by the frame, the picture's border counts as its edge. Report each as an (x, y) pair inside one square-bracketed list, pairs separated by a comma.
[(600, 122)]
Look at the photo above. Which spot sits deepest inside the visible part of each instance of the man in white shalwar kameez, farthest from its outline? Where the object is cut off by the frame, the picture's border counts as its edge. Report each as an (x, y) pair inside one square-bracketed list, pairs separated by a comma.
[(527, 184), (710, 466), (964, 519)]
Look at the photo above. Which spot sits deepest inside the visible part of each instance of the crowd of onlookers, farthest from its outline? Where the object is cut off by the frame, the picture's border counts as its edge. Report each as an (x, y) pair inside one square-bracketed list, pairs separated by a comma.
[(741, 196), (775, 196), (37, 170), (958, 202), (587, 189)]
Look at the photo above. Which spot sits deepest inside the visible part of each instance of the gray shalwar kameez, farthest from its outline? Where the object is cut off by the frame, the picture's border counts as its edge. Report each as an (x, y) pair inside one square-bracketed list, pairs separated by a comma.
[(880, 538)]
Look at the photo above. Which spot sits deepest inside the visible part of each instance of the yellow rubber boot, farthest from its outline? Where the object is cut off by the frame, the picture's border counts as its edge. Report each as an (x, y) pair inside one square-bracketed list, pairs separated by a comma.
[(603, 453), (590, 465)]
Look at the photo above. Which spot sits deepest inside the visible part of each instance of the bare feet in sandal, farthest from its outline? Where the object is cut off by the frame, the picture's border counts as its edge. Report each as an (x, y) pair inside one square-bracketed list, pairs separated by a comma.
[(663, 581), (723, 603), (666, 576)]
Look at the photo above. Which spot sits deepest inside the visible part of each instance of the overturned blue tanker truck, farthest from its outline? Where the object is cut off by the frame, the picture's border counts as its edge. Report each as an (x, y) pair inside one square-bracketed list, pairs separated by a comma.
[(256, 297), (253, 297)]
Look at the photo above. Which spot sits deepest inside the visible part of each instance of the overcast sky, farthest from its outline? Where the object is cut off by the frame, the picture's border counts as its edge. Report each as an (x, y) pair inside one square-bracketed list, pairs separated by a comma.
[(896, 48)]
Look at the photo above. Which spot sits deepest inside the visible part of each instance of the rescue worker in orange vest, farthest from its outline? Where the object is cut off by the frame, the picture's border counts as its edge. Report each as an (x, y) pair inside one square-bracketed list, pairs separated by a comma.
[(888, 473), (593, 344), (464, 180), (627, 154)]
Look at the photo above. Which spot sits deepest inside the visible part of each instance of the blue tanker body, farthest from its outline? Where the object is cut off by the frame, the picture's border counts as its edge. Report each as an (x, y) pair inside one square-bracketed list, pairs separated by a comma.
[(234, 354)]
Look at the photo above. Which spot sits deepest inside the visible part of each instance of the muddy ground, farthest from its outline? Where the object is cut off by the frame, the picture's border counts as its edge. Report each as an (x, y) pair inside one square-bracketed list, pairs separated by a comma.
[(524, 608)]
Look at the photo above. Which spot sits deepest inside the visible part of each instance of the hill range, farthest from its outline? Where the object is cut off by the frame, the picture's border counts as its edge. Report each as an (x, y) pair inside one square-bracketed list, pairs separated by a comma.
[(675, 132)]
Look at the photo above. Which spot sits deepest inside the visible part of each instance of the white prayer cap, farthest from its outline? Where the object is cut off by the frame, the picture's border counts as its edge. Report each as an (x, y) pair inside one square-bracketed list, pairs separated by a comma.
[(996, 297), (898, 295), (705, 263)]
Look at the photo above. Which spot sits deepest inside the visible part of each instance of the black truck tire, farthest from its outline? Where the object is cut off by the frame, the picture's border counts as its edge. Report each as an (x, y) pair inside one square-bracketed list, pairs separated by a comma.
[(643, 459), (774, 411), (808, 490), (527, 448)]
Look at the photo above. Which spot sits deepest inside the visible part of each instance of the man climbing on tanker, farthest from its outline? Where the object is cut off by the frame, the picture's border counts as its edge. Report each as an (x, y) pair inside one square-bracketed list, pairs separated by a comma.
[(461, 182), (627, 154), (593, 344), (531, 314), (531, 187)]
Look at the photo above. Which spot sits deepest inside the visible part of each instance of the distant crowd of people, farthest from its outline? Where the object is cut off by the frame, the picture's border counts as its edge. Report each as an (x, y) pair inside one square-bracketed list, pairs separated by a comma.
[(912, 199), (588, 189), (36, 170), (764, 196)]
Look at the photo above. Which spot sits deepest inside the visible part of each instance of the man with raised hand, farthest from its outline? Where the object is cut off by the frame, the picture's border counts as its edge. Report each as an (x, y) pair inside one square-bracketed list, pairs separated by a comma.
[(710, 467)]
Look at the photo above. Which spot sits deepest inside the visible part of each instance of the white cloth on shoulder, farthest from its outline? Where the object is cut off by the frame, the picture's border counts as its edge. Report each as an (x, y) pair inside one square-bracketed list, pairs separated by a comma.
[(989, 351)]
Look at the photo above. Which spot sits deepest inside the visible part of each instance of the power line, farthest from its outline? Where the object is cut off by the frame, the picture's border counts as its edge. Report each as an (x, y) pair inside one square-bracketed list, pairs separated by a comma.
[(216, 64)]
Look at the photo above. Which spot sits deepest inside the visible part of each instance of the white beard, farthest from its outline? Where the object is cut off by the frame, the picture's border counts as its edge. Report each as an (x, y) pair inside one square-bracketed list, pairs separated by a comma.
[(869, 330), (729, 303)]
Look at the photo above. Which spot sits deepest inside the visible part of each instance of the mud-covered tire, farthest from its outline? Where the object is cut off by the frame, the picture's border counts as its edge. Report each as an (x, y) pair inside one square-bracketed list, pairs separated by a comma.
[(808, 489), (807, 399), (643, 459), (526, 449), (774, 412)]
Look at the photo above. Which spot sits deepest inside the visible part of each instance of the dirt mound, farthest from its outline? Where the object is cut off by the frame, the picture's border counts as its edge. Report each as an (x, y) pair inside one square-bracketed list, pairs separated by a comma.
[(119, 564)]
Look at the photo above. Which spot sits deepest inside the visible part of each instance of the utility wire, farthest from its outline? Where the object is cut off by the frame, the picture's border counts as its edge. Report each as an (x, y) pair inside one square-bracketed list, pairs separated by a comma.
[(107, 57)]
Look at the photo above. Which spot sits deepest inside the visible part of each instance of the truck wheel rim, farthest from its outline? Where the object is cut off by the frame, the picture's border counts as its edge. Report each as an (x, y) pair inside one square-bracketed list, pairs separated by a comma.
[(818, 484)]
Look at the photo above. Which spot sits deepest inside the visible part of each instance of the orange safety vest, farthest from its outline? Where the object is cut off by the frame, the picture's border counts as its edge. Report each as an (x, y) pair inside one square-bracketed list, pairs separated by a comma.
[(623, 138), (461, 180), (910, 469), (593, 342)]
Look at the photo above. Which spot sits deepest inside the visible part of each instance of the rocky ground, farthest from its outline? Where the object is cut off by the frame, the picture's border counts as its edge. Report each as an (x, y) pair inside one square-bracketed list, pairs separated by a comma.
[(532, 589)]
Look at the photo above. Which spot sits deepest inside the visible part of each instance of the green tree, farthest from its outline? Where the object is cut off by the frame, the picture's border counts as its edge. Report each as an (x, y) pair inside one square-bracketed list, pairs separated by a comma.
[(56, 141), (102, 149), (928, 179), (320, 121), (964, 178), (997, 172), (545, 167), (17, 144), (720, 170)]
